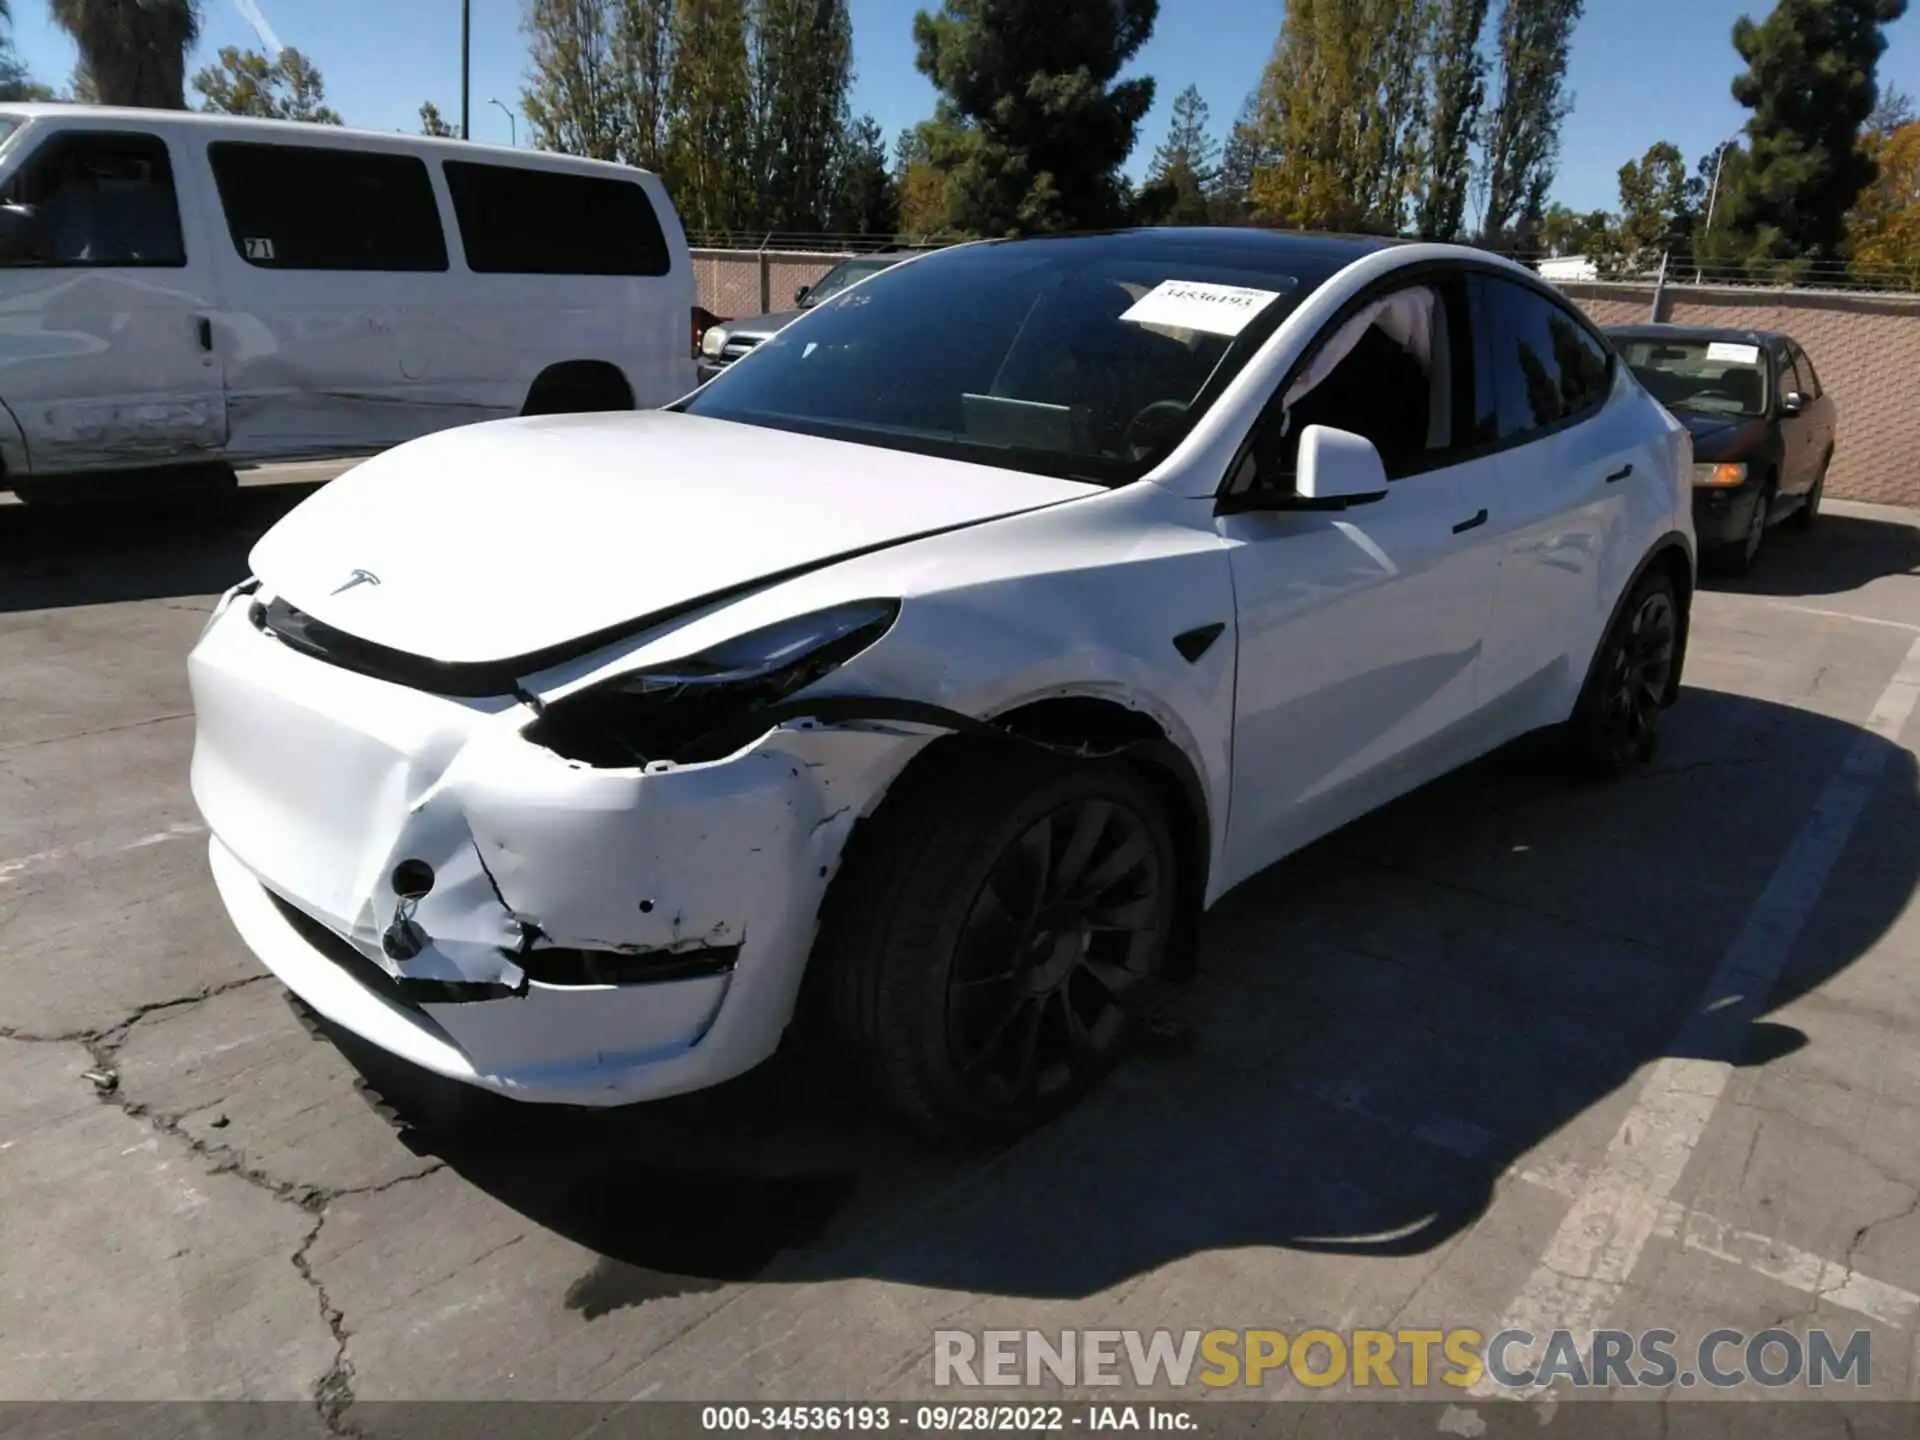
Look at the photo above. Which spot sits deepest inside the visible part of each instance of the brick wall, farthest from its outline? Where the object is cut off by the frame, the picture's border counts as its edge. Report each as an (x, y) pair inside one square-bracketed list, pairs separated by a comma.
[(1866, 348)]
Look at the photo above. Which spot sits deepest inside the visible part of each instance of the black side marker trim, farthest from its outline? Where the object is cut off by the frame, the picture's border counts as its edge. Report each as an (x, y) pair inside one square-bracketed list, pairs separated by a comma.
[(1192, 644)]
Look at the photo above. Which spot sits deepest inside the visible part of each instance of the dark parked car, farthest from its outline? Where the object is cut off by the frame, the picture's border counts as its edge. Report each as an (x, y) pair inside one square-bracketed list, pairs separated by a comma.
[(727, 341), (1762, 426)]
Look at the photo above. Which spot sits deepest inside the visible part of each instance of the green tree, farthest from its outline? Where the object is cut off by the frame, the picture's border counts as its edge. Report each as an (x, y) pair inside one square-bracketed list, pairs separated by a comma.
[(1033, 124), (133, 51), (1244, 155), (643, 61), (1810, 83), (708, 124), (865, 200), (245, 82), (574, 94), (1185, 170), (1568, 232), (15, 82), (1340, 111), (1522, 132), (801, 68), (1656, 216), (432, 124), (1456, 89)]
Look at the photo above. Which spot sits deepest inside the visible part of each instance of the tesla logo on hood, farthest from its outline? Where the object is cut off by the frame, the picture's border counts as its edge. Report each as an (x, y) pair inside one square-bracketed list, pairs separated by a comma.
[(357, 577)]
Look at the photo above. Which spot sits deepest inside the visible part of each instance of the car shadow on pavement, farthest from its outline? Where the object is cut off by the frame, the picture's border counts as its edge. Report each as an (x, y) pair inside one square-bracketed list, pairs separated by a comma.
[(1383, 1026), (135, 546), (1841, 553)]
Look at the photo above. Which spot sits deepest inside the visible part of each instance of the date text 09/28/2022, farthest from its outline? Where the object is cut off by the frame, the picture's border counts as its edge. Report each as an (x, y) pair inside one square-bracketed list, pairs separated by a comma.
[(946, 1419)]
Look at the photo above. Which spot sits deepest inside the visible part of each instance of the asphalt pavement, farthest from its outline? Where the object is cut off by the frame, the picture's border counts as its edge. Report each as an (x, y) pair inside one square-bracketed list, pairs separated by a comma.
[(1447, 1068)]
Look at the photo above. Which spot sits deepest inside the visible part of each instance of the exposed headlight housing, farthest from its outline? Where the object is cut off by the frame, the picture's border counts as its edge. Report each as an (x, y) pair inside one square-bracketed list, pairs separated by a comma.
[(714, 341), (666, 711), (1719, 477)]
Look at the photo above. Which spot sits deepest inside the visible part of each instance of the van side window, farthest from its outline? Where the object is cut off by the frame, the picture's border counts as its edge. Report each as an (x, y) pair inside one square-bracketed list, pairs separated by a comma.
[(307, 207), (100, 199), (517, 221)]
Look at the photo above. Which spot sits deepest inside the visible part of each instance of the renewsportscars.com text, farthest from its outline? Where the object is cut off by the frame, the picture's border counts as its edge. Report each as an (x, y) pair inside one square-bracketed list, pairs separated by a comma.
[(1389, 1359)]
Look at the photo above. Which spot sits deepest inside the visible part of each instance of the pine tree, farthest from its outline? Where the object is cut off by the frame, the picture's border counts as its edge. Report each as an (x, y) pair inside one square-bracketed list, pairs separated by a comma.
[(1185, 169), (1243, 157), (1522, 133), (1810, 82), (1457, 88), (431, 122), (1033, 124), (864, 200)]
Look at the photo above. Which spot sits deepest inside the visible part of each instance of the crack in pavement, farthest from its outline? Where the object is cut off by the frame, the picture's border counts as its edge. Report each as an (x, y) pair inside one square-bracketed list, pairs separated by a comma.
[(333, 1392)]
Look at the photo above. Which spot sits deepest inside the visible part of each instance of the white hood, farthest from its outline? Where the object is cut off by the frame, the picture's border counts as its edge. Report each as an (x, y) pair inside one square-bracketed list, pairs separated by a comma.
[(499, 540)]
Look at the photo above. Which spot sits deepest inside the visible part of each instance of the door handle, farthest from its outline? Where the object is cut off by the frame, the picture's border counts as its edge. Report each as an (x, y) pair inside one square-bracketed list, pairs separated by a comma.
[(1471, 524), (1620, 474), (205, 331)]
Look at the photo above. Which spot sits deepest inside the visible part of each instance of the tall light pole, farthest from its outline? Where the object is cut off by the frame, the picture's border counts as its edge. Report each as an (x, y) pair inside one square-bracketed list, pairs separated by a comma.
[(513, 125), (1713, 197), (466, 67)]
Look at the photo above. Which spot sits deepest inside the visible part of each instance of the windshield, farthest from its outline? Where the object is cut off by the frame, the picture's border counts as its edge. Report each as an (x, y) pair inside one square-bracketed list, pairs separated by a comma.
[(847, 272), (1087, 358), (1718, 377)]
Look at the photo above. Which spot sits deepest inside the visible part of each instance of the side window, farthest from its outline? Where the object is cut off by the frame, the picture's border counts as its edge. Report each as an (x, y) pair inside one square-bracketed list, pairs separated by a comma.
[(1809, 381), (1789, 376), (1394, 372), (305, 207), (586, 225), (1542, 366), (102, 199)]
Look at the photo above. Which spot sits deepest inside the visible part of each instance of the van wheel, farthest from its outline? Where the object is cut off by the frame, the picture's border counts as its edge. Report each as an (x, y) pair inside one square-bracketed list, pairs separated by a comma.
[(579, 387), (1616, 724), (989, 939)]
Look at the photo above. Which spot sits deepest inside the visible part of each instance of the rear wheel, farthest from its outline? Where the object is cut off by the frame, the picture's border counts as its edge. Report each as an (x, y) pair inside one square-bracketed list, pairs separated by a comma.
[(1617, 722), (992, 934)]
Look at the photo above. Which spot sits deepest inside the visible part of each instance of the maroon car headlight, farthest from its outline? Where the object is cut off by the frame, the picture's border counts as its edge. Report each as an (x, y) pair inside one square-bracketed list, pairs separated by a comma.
[(663, 712)]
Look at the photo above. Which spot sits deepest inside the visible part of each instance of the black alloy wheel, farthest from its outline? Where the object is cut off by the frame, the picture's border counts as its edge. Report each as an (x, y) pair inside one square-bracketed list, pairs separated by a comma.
[(1066, 926)]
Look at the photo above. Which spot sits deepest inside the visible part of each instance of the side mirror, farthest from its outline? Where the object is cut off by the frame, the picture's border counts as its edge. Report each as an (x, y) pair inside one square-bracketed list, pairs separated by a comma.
[(800, 295), (1792, 403), (23, 236), (1337, 468)]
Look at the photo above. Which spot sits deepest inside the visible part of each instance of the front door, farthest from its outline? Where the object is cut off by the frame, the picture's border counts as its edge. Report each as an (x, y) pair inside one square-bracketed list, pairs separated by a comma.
[(1360, 630), (106, 339)]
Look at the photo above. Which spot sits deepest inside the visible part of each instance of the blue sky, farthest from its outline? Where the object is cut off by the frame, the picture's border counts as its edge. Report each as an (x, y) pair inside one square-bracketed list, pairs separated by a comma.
[(1643, 70)]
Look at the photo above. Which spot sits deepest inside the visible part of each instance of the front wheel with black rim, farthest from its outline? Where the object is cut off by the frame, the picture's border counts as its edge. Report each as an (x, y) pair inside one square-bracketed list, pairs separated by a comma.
[(1616, 724), (1739, 558), (990, 937), (1803, 519)]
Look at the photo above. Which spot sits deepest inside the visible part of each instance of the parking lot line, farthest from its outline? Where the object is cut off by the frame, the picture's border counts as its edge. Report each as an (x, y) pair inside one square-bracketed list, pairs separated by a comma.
[(22, 866), (1623, 1201)]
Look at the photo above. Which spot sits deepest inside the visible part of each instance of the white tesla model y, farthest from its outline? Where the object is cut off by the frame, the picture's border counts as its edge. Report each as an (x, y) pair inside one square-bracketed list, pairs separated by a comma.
[(952, 652)]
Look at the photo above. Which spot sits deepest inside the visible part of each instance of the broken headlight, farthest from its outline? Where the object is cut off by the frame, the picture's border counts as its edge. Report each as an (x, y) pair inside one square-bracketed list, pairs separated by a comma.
[(664, 712)]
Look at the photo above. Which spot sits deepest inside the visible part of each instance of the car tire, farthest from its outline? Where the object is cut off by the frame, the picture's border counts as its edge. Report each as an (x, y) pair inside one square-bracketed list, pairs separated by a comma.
[(1740, 558), (1803, 519), (1616, 724), (978, 996)]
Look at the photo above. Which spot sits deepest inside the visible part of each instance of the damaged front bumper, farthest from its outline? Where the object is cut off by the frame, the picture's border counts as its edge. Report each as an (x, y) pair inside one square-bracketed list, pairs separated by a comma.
[(422, 874)]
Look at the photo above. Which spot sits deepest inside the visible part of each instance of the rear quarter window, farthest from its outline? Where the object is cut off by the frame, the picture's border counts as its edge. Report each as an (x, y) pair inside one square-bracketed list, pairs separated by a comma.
[(520, 221), (310, 207)]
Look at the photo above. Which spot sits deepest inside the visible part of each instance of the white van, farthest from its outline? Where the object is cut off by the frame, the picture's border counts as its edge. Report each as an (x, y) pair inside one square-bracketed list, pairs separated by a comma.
[(178, 288)]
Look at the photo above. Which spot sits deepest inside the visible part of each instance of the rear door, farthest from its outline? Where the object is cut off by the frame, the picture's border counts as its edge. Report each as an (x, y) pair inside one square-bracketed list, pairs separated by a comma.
[(1569, 465), (1825, 421), (105, 345), (335, 277)]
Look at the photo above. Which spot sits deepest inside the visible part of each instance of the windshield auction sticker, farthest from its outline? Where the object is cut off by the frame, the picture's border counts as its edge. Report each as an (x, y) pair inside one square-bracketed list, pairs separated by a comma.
[(1733, 354), (1190, 305)]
